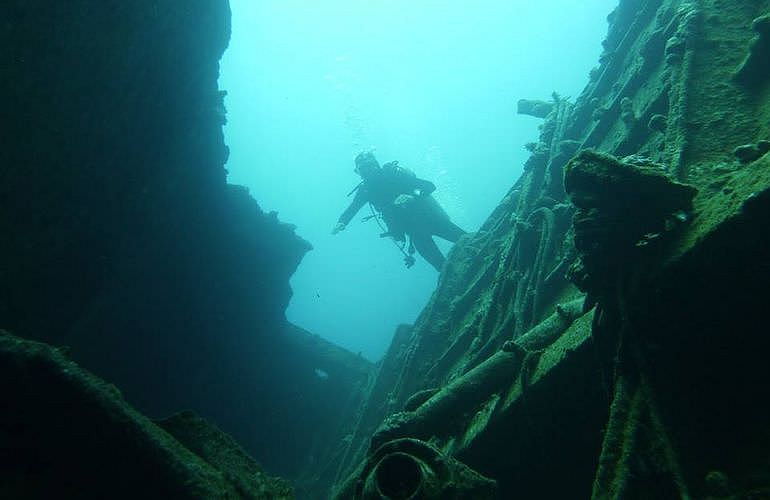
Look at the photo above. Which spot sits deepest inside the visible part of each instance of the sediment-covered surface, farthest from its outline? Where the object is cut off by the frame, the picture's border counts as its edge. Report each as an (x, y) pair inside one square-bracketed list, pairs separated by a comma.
[(68, 434)]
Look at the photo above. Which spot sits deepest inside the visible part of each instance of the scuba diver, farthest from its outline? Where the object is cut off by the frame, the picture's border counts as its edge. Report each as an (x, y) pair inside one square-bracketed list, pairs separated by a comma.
[(405, 203)]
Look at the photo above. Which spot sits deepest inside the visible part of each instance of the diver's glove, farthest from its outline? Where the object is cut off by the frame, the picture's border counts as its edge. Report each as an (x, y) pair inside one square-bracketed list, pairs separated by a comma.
[(408, 261), (339, 227)]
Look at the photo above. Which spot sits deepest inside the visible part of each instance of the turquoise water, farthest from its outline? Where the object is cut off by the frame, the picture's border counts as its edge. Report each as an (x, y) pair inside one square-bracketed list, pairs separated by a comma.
[(431, 84)]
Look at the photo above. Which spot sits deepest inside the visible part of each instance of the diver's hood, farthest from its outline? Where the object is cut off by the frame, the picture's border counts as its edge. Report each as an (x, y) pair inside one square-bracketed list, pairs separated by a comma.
[(366, 162)]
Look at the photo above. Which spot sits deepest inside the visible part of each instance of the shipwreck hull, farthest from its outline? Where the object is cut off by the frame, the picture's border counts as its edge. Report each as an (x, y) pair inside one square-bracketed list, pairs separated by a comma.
[(603, 334)]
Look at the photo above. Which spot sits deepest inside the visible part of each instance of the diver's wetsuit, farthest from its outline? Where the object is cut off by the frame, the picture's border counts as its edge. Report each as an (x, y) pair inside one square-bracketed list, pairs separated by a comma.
[(420, 219)]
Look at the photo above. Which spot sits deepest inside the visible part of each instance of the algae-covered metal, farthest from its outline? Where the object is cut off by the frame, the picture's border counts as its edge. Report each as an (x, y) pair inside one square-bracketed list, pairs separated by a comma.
[(648, 382)]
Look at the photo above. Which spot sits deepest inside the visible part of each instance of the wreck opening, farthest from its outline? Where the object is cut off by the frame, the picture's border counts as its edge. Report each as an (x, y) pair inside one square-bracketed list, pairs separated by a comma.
[(398, 476), (600, 334), (311, 86)]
